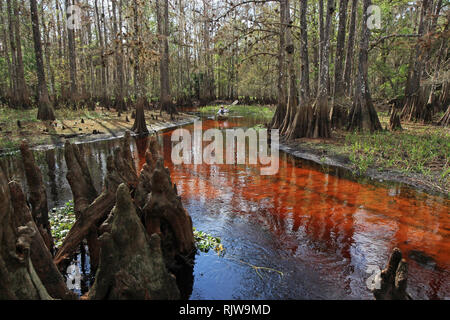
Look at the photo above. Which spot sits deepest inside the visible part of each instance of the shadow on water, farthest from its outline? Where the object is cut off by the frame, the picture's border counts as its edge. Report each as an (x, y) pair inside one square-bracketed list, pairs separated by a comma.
[(313, 230)]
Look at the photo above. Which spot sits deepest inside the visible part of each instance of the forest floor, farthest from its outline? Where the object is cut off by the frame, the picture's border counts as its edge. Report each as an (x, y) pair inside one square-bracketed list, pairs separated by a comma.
[(72, 124)]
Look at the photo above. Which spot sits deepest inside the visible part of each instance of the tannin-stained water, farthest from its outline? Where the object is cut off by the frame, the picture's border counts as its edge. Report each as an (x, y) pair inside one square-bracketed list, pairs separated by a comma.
[(313, 232)]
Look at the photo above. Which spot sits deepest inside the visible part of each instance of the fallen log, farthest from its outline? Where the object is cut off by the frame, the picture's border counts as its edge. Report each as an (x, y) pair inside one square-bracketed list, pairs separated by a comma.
[(131, 262)]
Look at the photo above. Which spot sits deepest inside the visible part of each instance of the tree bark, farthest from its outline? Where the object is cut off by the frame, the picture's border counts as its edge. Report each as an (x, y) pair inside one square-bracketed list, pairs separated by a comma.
[(350, 45), (416, 108), (292, 103), (40, 256), (363, 115), (393, 279), (340, 44), (18, 278), (37, 194), (45, 110), (162, 9), (321, 128), (280, 112), (22, 90), (120, 103), (121, 169), (140, 126), (338, 113), (72, 59), (131, 261), (305, 91)]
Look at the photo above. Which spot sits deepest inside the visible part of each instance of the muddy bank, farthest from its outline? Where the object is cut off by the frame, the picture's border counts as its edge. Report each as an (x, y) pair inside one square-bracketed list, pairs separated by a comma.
[(329, 158)]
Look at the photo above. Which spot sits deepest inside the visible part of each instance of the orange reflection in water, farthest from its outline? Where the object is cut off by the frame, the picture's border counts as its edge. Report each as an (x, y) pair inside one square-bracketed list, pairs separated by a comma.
[(359, 223)]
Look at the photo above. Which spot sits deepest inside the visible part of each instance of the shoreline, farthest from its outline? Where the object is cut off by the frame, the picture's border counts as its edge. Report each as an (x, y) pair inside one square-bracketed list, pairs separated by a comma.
[(415, 181), (91, 137)]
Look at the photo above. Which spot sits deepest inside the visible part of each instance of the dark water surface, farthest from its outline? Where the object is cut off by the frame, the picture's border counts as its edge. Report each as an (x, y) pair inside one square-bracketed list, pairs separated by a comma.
[(313, 232)]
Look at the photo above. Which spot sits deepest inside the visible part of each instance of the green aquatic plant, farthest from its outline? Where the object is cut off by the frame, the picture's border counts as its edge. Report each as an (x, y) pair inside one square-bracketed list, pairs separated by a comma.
[(206, 242), (61, 221)]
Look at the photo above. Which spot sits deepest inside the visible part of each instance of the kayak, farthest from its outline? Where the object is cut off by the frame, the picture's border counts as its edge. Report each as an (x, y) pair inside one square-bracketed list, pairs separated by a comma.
[(222, 117)]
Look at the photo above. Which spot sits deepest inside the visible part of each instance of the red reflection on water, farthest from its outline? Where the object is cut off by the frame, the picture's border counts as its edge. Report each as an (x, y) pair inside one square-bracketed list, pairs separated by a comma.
[(342, 218)]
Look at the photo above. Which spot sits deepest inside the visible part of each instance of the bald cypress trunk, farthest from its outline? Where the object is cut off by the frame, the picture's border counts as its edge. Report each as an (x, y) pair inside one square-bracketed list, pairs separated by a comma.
[(45, 111), (416, 108), (72, 59), (305, 91), (119, 102), (292, 102), (338, 111), (162, 9), (363, 115), (22, 90), (350, 47), (321, 127), (280, 113)]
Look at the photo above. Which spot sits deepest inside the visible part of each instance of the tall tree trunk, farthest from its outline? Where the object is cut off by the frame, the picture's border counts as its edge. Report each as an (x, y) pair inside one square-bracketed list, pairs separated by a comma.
[(340, 44), (305, 92), (21, 84), (102, 54), (301, 126), (45, 111), (72, 58), (20, 94), (6, 53), (415, 108), (350, 45), (50, 71), (162, 9), (338, 112), (120, 104), (292, 103), (209, 78), (363, 115), (280, 113), (321, 128)]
